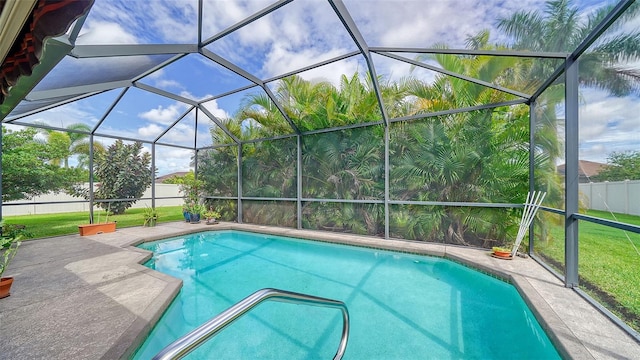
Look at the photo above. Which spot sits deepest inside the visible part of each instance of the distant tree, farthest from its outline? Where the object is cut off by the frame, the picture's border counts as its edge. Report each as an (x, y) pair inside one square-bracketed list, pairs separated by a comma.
[(124, 173), (65, 144), (59, 144), (29, 168), (621, 166), (175, 179), (562, 26), (190, 187)]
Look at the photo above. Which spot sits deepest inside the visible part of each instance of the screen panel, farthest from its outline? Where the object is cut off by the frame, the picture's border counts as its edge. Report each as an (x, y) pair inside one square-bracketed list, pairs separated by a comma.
[(271, 213), (361, 219), (269, 168), (344, 164)]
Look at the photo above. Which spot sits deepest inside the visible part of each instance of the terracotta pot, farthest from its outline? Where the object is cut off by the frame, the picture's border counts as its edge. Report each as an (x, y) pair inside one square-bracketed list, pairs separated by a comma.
[(504, 254), (93, 229), (5, 286)]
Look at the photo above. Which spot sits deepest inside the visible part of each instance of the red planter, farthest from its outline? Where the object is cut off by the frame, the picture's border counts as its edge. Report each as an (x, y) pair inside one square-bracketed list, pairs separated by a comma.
[(502, 253), (5, 286), (93, 229)]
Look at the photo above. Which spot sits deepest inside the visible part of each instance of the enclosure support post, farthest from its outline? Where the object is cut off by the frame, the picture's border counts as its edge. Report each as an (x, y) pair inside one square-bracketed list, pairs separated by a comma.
[(532, 164), (91, 153), (0, 171), (571, 172), (153, 175), (195, 169), (386, 181), (239, 183), (195, 164), (299, 181)]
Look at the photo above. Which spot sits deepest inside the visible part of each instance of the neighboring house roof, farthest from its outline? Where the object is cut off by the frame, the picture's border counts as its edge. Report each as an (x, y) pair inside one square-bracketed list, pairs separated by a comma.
[(161, 179), (585, 168)]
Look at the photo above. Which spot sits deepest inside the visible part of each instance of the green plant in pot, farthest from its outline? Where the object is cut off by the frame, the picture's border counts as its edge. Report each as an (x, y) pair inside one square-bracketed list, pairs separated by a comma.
[(192, 191), (195, 211), (186, 213), (150, 216), (9, 243), (211, 216)]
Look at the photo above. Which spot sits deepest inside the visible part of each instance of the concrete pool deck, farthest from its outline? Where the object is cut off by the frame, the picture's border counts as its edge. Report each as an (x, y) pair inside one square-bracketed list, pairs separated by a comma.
[(88, 297)]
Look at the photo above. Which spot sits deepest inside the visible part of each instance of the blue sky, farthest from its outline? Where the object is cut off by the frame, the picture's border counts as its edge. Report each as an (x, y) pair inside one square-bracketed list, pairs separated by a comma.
[(298, 34)]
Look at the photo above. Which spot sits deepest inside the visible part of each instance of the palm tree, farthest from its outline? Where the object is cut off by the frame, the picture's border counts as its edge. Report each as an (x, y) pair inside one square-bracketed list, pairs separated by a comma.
[(72, 142), (562, 27), (478, 156), (345, 164)]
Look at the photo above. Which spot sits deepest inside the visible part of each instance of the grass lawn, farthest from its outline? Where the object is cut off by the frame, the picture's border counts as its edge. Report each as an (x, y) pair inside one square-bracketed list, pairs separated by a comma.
[(45, 225), (608, 263)]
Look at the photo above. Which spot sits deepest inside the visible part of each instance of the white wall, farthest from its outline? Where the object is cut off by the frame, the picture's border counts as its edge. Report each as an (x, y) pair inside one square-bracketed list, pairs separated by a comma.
[(620, 197), (162, 190), (616, 196)]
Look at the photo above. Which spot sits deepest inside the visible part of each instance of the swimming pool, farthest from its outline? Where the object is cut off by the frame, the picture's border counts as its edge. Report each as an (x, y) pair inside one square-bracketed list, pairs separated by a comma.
[(402, 306)]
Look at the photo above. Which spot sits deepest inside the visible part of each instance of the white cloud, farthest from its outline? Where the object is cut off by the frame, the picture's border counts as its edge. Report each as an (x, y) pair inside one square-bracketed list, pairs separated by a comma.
[(216, 111), (170, 160), (123, 133), (164, 115), (163, 84), (150, 131), (233, 10), (607, 124), (333, 73), (181, 134), (257, 33), (281, 60), (296, 35), (65, 115), (176, 21), (395, 70), (188, 95), (420, 24), (156, 74), (159, 21), (102, 32)]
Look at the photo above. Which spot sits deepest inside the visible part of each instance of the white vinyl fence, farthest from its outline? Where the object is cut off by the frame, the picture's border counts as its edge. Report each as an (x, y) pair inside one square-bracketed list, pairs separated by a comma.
[(617, 196), (162, 190)]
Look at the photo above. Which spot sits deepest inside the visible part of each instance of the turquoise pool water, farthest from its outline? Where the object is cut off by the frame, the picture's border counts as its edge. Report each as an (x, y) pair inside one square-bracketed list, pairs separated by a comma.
[(402, 306)]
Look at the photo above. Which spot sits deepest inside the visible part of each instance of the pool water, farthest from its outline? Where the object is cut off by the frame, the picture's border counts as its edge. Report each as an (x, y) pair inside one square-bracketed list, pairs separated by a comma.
[(402, 306)]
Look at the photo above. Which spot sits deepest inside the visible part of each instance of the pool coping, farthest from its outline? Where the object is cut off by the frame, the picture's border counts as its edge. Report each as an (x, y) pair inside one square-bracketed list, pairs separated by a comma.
[(576, 328)]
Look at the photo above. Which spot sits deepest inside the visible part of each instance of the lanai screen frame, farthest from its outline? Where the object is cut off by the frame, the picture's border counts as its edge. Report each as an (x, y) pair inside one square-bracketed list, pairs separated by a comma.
[(60, 47)]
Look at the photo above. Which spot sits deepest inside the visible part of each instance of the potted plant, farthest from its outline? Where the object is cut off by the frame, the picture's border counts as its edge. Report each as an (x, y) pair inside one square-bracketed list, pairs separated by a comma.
[(211, 216), (9, 243), (150, 216), (186, 212), (194, 213), (98, 227), (501, 252), (191, 189)]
